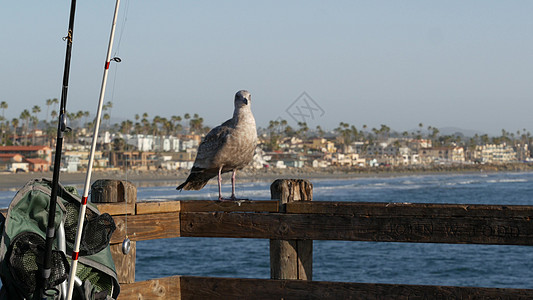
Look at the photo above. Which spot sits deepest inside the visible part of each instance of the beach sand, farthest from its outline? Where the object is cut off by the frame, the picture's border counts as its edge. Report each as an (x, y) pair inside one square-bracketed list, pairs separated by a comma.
[(14, 181)]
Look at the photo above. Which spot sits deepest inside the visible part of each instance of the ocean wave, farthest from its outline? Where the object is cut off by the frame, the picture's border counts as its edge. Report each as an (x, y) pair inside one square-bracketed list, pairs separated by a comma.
[(507, 180)]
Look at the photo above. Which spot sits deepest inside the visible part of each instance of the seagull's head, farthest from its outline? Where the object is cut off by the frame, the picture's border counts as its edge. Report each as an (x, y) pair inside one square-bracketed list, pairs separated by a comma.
[(242, 99)]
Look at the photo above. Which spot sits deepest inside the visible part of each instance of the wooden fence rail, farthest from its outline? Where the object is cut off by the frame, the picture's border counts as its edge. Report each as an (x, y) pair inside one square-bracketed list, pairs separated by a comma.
[(291, 221)]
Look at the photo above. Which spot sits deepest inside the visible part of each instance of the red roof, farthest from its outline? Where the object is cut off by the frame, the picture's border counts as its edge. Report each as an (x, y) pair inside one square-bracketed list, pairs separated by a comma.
[(37, 161), (23, 148), (8, 155)]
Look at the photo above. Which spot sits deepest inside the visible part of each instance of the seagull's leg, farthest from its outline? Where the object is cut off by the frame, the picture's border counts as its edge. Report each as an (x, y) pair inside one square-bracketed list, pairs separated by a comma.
[(233, 197), (220, 186), (220, 183), (233, 184)]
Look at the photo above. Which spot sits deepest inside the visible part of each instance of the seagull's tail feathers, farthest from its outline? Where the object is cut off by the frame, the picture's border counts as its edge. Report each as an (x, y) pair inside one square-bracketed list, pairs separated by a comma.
[(197, 179)]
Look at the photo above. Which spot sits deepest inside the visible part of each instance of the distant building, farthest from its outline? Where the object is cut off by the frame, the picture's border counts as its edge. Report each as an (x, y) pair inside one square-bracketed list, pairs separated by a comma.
[(37, 165), (82, 159), (133, 160), (492, 153), (43, 152), (522, 152), (408, 156), (442, 155), (11, 162)]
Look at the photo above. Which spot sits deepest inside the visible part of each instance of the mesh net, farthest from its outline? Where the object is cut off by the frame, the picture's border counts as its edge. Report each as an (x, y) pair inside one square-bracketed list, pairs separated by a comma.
[(97, 230), (26, 262)]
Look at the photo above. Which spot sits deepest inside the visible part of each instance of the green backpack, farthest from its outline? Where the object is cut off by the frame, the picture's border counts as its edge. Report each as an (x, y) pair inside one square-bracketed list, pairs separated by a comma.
[(22, 246)]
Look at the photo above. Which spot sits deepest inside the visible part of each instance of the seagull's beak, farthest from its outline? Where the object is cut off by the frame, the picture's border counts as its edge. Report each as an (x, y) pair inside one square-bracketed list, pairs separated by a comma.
[(245, 101)]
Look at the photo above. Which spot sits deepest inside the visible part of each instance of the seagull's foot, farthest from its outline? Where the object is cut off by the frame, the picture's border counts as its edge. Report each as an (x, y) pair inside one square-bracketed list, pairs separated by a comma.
[(225, 199), (233, 199)]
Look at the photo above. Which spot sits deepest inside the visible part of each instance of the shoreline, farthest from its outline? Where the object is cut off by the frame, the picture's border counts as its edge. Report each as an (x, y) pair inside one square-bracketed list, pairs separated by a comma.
[(14, 181)]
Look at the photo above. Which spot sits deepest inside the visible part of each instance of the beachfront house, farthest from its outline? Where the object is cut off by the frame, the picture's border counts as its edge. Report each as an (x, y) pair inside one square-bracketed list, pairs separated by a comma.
[(442, 155), (43, 152), (11, 162), (494, 153)]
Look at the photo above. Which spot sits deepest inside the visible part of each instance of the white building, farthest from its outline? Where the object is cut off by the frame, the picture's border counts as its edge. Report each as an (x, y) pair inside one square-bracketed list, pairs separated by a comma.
[(140, 141), (188, 144)]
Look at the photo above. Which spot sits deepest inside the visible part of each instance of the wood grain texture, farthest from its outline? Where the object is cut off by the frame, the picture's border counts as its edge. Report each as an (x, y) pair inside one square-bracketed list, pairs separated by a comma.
[(190, 287), (124, 264), (117, 208), (391, 228), (229, 206), (410, 209), (110, 190), (156, 207), (167, 288), (146, 227), (291, 259)]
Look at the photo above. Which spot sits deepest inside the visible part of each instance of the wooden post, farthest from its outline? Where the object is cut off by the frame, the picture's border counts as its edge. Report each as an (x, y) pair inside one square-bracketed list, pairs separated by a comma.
[(291, 259), (113, 191)]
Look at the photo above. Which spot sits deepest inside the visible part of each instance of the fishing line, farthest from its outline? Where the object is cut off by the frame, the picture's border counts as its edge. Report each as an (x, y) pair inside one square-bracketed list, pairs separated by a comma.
[(116, 55), (126, 243)]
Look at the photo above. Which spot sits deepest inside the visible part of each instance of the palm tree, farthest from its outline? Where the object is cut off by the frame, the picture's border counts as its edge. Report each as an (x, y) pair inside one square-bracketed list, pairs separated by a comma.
[(155, 125), (35, 110), (320, 131), (196, 124), (176, 119), (86, 115), (302, 131), (187, 116), (25, 115), (50, 102), (434, 133), (419, 131), (34, 121), (106, 117), (346, 133), (355, 132), (15, 124), (3, 106)]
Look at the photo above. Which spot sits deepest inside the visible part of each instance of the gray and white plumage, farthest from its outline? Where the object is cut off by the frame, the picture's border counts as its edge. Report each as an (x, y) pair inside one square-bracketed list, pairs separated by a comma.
[(227, 147)]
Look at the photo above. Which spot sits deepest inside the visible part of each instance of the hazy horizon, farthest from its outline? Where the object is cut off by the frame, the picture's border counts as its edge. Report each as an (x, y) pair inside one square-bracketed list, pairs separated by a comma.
[(446, 64)]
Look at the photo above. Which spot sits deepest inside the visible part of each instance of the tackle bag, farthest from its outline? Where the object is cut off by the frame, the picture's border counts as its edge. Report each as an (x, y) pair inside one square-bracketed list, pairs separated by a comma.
[(22, 246)]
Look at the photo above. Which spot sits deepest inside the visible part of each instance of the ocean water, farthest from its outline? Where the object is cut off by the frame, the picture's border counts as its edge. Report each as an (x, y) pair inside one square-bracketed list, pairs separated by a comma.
[(403, 263)]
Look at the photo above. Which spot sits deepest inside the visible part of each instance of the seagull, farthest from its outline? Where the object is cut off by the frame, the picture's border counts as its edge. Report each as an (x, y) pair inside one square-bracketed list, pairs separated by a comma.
[(227, 147)]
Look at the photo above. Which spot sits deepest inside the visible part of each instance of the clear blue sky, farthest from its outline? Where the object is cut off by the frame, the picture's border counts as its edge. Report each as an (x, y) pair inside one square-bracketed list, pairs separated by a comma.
[(465, 64)]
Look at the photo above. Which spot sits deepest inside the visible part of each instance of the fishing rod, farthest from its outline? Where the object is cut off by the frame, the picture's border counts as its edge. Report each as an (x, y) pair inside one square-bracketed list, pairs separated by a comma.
[(83, 206), (61, 129)]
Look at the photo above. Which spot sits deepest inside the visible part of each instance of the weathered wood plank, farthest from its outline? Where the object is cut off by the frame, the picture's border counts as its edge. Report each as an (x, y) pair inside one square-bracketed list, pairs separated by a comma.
[(111, 190), (116, 208), (146, 227), (155, 289), (229, 206), (190, 287), (155, 207), (124, 264), (410, 209), (291, 259), (422, 229)]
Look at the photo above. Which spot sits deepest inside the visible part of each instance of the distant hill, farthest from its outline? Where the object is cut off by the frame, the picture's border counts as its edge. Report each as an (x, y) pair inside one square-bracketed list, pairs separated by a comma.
[(455, 130), (464, 132)]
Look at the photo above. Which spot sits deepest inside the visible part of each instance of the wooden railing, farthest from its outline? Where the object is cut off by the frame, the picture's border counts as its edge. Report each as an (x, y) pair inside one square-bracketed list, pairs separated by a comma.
[(291, 221)]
